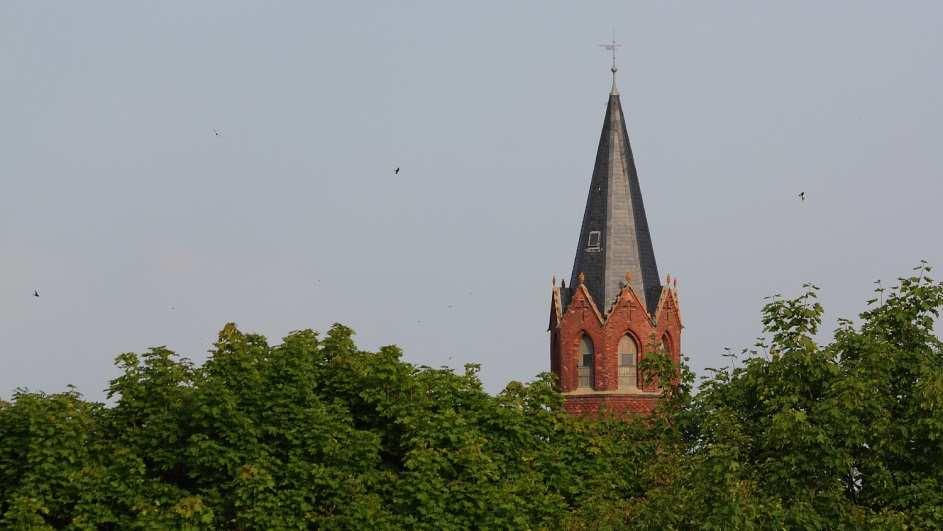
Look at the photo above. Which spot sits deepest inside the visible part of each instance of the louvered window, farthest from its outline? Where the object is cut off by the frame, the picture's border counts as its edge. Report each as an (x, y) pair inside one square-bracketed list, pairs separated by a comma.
[(585, 363), (628, 353)]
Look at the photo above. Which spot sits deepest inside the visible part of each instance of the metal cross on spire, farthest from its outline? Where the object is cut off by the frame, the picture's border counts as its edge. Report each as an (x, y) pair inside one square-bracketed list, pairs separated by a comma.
[(612, 47)]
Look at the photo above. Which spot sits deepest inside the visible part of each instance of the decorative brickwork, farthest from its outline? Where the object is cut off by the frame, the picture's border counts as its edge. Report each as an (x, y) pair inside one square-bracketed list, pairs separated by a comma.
[(627, 316)]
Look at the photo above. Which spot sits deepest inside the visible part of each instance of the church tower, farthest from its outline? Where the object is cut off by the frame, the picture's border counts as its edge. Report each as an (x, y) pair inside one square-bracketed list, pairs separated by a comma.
[(615, 310)]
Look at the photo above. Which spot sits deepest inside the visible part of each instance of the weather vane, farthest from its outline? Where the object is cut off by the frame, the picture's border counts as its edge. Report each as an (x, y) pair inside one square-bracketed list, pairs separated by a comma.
[(612, 47)]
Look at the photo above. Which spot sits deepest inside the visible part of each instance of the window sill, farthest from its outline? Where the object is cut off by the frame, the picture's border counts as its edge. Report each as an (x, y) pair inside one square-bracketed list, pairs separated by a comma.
[(627, 392)]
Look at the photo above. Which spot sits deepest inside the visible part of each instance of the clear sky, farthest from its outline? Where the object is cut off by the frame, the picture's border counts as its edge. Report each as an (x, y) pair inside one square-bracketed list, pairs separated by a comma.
[(140, 227)]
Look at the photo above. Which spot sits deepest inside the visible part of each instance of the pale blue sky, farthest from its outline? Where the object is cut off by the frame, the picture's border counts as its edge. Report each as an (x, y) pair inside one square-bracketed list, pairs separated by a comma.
[(119, 203)]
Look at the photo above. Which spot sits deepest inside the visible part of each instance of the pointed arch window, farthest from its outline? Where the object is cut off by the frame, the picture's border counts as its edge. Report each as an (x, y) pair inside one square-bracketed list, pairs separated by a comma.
[(666, 344), (628, 354), (585, 363)]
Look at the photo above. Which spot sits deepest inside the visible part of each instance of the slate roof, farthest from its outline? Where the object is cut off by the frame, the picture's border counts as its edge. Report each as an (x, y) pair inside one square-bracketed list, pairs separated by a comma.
[(615, 210)]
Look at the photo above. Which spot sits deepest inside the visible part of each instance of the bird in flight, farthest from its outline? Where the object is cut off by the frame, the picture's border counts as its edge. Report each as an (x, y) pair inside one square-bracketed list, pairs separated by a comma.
[(802, 196), (217, 132), (396, 171), (35, 293)]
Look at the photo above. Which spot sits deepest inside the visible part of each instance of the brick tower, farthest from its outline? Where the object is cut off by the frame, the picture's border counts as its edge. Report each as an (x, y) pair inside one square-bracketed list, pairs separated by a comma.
[(616, 309)]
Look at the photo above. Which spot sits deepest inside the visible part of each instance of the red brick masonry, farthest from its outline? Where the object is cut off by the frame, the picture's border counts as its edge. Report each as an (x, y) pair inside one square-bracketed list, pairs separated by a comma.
[(619, 404), (626, 316)]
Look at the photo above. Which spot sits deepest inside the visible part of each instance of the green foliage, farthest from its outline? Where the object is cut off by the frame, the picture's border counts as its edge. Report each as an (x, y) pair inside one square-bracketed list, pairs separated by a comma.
[(845, 435), (315, 433)]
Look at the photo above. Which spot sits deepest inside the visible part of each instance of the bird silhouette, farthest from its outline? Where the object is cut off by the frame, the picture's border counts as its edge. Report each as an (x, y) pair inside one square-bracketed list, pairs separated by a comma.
[(396, 171), (217, 132), (802, 196), (35, 293)]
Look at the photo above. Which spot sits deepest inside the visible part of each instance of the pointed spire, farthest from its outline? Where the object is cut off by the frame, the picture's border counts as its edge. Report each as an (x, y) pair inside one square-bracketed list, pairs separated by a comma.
[(614, 237)]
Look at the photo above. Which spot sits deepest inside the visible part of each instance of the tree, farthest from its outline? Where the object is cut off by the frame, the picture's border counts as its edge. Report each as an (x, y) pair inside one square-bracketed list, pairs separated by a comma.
[(812, 436), (316, 433)]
